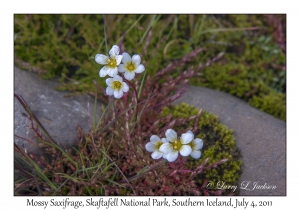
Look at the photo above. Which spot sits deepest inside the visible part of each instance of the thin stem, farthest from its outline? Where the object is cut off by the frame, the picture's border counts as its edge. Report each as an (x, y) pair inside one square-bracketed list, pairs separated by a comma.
[(144, 172), (32, 116), (145, 105), (31, 142), (103, 114), (137, 99), (118, 170), (114, 108), (112, 121), (231, 29), (142, 83), (131, 27), (136, 96), (104, 22), (36, 182), (95, 111)]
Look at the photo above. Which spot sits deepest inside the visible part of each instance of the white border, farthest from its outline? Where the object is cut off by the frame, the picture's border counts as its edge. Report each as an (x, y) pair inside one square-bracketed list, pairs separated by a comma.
[(117, 6)]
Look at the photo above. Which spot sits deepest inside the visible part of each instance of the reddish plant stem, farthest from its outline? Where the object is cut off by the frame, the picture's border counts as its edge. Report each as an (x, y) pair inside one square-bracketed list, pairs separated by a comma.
[(136, 96), (31, 142), (142, 174)]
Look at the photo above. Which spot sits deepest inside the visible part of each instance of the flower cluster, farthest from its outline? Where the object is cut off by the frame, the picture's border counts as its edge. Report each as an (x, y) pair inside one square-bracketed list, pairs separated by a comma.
[(112, 66), (170, 146)]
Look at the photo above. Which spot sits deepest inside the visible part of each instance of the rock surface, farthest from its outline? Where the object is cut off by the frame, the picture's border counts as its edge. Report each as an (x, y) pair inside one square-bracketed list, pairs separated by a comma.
[(60, 116), (260, 137)]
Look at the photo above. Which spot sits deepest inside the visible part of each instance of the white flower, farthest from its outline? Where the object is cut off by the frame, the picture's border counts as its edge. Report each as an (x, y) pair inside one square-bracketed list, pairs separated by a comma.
[(111, 63), (175, 145), (130, 66), (196, 145), (154, 145), (116, 86)]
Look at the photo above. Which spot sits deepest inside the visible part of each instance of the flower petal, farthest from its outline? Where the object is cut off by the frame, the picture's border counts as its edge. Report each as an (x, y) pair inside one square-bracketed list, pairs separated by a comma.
[(119, 59), (129, 75), (150, 147), (185, 150), (156, 155), (125, 87), (196, 154), (164, 140), (126, 58), (109, 91), (154, 138), (121, 68), (198, 144), (171, 157), (109, 81), (114, 51), (166, 148), (103, 71), (186, 137), (118, 78), (171, 135), (118, 93), (101, 59), (112, 71), (140, 69), (136, 59)]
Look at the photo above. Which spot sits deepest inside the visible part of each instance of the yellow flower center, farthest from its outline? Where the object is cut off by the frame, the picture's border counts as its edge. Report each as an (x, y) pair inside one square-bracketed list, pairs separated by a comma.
[(130, 66), (157, 145), (112, 63), (192, 145), (116, 85), (176, 145)]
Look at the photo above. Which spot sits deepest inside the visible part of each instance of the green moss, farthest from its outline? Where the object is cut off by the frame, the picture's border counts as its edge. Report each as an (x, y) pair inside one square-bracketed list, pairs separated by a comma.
[(274, 104), (251, 75), (218, 141), (253, 67)]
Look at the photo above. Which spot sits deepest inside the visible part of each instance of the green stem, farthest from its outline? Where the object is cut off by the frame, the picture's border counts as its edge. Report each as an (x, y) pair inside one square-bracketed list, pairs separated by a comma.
[(142, 173), (104, 22), (103, 114), (137, 99), (95, 110)]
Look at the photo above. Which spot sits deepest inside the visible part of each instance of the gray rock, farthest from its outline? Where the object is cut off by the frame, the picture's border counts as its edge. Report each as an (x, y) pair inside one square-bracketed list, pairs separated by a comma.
[(260, 137), (60, 116)]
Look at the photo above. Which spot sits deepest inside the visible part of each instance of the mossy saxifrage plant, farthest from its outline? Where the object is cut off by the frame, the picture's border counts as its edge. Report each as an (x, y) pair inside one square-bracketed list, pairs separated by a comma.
[(114, 159)]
